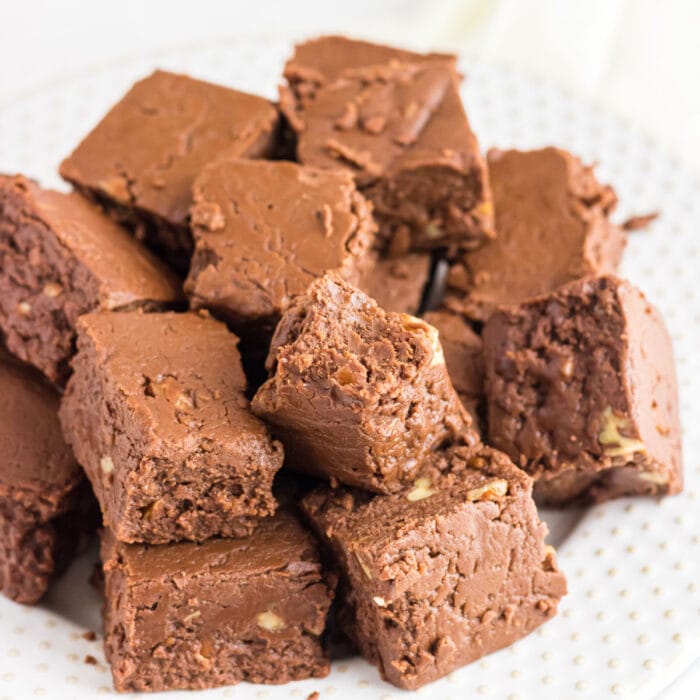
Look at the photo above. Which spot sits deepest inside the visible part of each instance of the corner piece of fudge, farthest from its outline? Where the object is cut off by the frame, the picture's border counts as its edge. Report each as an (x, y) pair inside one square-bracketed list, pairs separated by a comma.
[(39, 484), (189, 615), (582, 394), (395, 120), (141, 159), (60, 257), (156, 414), (452, 568), (357, 394), (264, 230), (552, 224)]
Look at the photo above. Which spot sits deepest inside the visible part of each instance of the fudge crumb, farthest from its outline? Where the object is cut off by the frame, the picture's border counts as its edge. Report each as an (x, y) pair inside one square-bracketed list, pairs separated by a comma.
[(89, 636), (636, 223), (313, 696), (90, 659)]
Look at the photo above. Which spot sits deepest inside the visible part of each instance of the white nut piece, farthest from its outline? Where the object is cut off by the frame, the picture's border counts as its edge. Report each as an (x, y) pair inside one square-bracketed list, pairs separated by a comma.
[(192, 616), (363, 566), (53, 290), (413, 324), (614, 443), (432, 230), (24, 308), (106, 465), (658, 478), (378, 600), (489, 492), (270, 621), (422, 488)]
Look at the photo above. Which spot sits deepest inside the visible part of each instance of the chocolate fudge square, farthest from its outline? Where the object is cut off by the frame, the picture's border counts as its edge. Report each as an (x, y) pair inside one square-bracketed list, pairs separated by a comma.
[(398, 284), (395, 120), (582, 394), (438, 575), (40, 484), (463, 350), (552, 220), (157, 417), (265, 230), (357, 394), (61, 257), (141, 159), (189, 615)]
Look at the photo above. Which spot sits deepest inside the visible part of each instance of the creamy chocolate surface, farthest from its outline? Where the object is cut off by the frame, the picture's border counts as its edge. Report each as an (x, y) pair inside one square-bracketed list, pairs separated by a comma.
[(553, 226), (60, 257), (190, 615), (142, 158), (395, 121), (449, 569), (397, 284), (265, 230), (175, 407), (375, 381), (582, 392)]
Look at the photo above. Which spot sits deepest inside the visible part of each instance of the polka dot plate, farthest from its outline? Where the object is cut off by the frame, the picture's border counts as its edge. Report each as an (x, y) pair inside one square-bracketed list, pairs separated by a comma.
[(631, 622)]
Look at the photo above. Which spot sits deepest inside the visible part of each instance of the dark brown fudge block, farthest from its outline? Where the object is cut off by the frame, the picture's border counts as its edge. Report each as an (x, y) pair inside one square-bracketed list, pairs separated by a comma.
[(553, 226), (141, 159), (395, 120), (357, 394), (39, 483), (61, 257), (581, 392), (157, 417), (190, 615), (444, 572), (398, 284), (463, 356), (265, 230)]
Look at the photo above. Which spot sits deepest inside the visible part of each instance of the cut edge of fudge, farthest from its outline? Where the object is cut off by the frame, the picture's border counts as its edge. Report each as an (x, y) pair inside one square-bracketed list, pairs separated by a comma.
[(417, 568), (62, 257), (40, 485), (171, 447), (597, 359), (379, 388), (189, 615)]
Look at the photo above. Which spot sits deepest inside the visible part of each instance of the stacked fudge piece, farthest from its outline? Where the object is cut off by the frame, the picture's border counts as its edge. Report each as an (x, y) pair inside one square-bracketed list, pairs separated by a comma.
[(218, 318)]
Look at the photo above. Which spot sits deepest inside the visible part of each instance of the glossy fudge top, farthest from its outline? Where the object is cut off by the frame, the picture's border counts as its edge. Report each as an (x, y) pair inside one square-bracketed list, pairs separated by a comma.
[(265, 230), (147, 150)]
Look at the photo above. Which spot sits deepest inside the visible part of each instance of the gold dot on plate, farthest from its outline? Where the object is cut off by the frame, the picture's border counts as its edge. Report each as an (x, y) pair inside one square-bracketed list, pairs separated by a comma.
[(668, 614), (613, 663), (600, 615), (13, 652), (39, 692), (678, 638), (629, 549), (42, 667), (608, 638), (71, 680), (634, 615), (599, 552), (616, 689), (8, 677), (648, 664), (612, 572), (546, 680), (18, 630), (575, 637), (515, 673), (623, 593), (44, 644), (679, 566), (363, 684), (581, 685), (642, 639), (513, 696), (579, 660), (72, 657), (482, 689), (645, 569), (545, 656)]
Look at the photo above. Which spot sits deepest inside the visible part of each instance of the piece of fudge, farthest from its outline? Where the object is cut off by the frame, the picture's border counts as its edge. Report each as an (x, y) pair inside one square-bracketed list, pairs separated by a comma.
[(553, 226), (156, 414), (60, 257), (395, 120), (463, 357), (265, 230), (141, 159), (398, 284), (450, 569), (40, 484), (190, 615), (581, 392), (358, 394)]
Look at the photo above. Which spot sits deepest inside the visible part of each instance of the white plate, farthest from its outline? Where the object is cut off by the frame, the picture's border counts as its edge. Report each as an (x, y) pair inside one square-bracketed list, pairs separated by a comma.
[(631, 622)]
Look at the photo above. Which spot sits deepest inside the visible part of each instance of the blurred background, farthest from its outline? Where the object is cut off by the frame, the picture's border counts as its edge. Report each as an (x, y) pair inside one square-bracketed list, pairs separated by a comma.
[(638, 58)]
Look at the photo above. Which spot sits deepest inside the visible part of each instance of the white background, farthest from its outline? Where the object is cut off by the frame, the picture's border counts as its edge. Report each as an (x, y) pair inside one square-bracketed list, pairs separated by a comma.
[(639, 59)]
